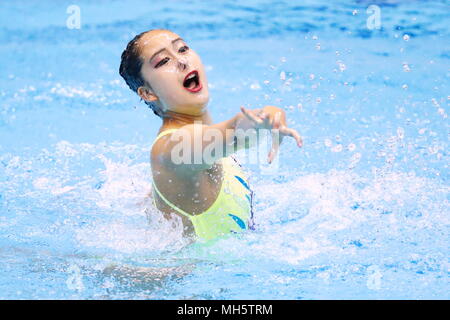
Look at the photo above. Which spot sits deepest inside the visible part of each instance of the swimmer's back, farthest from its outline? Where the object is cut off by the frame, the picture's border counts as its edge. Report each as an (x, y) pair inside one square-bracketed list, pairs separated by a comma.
[(211, 202)]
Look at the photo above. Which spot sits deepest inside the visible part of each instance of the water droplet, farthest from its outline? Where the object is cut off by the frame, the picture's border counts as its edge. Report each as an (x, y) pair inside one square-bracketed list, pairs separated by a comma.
[(351, 147), (406, 67), (255, 86), (400, 133), (341, 65), (434, 101), (337, 148)]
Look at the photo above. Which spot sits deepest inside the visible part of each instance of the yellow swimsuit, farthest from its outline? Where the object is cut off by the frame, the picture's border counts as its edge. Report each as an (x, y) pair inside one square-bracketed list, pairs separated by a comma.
[(232, 210)]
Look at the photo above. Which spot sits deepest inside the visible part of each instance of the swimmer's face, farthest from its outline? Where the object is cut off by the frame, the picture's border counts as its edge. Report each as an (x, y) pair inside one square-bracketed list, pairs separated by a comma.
[(174, 72)]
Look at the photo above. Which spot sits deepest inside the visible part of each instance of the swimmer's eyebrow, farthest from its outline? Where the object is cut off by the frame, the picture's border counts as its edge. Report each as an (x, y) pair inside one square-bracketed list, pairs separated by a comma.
[(161, 50)]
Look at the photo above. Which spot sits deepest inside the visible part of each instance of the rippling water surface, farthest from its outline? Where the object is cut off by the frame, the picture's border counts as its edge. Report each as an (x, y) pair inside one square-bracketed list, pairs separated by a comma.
[(360, 212)]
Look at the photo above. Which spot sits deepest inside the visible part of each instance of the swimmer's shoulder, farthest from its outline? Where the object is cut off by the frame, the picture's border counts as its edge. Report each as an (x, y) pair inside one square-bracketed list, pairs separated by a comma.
[(159, 146)]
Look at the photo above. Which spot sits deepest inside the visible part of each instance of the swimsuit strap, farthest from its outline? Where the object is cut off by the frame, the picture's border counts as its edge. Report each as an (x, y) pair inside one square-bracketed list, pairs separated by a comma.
[(163, 133), (170, 204), (184, 213)]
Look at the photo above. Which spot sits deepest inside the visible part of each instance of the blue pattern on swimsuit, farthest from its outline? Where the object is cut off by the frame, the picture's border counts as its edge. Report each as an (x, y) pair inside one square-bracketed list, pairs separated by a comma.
[(243, 182), (238, 220)]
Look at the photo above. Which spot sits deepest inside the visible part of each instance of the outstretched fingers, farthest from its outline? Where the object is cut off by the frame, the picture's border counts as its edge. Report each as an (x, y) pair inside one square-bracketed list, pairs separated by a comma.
[(276, 141), (249, 114), (278, 129), (292, 133), (277, 138)]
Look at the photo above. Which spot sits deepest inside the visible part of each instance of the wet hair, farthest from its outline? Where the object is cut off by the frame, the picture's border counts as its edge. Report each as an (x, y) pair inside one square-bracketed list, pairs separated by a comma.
[(130, 69)]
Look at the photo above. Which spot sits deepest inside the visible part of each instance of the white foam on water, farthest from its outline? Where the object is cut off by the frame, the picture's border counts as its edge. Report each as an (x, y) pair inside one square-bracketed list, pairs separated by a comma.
[(301, 219), (131, 223), (311, 215)]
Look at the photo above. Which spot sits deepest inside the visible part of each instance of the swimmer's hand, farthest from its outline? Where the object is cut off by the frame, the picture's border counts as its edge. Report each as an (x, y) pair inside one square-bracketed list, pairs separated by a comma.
[(274, 119)]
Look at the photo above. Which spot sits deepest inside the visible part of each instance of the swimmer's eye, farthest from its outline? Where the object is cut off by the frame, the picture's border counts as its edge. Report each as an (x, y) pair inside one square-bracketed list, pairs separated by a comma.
[(162, 62), (183, 49)]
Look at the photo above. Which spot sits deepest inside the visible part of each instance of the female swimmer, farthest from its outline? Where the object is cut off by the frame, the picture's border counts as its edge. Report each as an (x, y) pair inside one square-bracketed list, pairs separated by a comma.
[(210, 194)]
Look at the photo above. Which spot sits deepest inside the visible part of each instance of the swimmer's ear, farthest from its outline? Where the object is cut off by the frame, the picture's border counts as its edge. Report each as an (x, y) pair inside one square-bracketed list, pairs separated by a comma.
[(146, 94)]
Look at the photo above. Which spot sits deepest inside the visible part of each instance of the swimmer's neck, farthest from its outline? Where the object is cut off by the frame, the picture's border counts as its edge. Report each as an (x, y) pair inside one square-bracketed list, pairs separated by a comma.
[(175, 119)]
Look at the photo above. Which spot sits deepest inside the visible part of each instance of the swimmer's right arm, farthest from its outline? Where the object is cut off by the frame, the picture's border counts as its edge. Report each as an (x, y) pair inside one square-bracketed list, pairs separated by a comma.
[(224, 136), (274, 119)]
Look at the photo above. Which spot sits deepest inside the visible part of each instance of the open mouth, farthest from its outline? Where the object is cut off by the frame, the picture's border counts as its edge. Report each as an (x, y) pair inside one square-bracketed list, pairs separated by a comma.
[(192, 82)]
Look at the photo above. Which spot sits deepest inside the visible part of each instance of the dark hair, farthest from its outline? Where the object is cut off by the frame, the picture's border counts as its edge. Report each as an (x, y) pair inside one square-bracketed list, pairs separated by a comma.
[(130, 69)]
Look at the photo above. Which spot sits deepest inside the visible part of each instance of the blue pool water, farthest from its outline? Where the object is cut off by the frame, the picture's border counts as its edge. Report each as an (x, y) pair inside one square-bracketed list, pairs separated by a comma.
[(362, 211)]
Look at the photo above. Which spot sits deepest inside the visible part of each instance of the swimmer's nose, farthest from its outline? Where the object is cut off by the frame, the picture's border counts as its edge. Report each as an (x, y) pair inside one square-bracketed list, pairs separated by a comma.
[(182, 64)]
